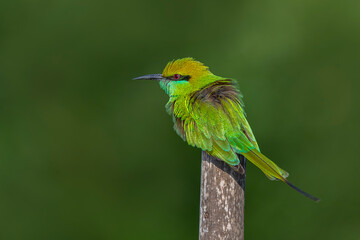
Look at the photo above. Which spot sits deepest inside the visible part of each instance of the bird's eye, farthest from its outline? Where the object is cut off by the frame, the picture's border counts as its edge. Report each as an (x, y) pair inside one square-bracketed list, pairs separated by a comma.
[(177, 76)]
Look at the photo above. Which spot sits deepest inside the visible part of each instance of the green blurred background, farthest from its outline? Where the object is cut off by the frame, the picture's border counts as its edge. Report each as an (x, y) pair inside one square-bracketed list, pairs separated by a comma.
[(86, 153)]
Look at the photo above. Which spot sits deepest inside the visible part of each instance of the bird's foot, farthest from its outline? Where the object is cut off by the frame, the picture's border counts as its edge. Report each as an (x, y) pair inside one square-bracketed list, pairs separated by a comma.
[(238, 168)]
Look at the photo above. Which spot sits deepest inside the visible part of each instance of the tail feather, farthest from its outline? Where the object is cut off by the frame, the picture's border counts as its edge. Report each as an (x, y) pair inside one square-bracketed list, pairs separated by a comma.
[(302, 192), (272, 171)]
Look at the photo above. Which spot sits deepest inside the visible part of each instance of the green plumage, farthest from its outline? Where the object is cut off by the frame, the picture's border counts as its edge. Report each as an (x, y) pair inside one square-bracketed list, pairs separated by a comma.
[(213, 119), (208, 113)]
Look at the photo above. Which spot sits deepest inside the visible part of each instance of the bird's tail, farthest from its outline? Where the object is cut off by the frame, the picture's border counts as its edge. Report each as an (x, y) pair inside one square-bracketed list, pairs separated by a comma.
[(272, 171)]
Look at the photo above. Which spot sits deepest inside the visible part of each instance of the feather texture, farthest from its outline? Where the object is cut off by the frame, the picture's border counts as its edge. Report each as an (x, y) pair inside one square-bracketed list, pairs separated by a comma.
[(213, 119), (208, 113)]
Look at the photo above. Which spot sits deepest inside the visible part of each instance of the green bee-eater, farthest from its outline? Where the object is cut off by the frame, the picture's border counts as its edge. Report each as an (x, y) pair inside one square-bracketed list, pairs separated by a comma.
[(208, 113)]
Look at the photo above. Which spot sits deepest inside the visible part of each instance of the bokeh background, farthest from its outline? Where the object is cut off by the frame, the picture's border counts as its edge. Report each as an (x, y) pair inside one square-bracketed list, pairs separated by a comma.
[(86, 153)]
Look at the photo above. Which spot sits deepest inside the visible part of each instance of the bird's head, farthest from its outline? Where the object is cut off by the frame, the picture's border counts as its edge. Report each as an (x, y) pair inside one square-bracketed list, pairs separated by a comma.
[(182, 76)]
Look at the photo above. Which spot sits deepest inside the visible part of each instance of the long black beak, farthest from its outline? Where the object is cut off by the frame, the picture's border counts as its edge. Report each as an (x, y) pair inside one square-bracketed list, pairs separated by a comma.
[(150, 77)]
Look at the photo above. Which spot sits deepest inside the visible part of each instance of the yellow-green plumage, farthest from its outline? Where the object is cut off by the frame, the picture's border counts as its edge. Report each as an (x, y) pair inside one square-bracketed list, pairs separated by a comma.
[(208, 113)]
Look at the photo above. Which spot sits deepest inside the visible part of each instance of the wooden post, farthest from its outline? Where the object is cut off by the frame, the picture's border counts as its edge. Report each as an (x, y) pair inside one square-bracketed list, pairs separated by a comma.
[(222, 200)]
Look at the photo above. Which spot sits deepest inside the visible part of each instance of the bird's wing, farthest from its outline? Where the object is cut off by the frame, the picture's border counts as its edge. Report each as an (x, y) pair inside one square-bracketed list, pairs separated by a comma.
[(217, 123)]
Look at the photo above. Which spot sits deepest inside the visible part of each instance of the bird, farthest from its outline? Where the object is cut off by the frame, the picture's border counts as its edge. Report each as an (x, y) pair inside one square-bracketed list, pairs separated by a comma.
[(208, 113)]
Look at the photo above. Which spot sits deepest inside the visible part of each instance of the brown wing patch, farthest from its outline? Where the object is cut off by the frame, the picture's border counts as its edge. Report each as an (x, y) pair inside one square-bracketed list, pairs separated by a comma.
[(216, 91), (180, 127)]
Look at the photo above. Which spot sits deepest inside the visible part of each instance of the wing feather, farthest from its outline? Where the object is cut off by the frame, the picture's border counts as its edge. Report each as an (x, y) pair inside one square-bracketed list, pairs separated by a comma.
[(218, 124)]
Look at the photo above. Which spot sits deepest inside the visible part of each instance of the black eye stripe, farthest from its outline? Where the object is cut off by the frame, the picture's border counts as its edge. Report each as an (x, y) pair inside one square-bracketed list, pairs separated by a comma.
[(187, 77), (182, 78)]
